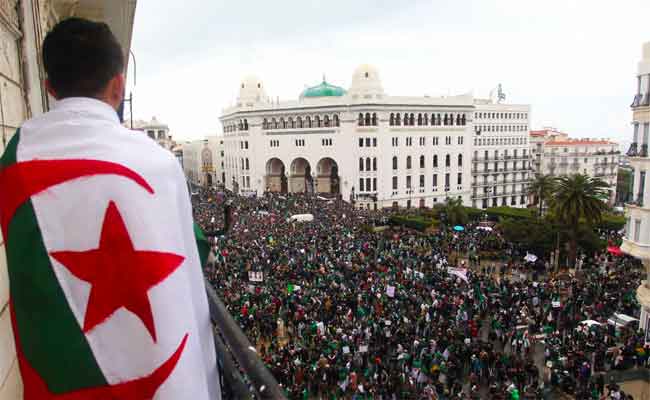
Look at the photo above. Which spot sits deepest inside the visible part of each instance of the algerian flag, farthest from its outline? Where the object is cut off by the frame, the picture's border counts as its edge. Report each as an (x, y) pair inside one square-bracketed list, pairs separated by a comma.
[(292, 288), (107, 296)]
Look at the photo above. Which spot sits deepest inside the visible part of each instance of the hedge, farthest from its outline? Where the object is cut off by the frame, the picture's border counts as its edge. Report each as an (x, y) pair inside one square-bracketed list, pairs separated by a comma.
[(474, 214), (510, 212), (611, 222), (415, 222)]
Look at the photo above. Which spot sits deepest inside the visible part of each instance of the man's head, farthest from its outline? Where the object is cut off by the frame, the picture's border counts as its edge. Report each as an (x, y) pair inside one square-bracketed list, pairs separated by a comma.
[(84, 59)]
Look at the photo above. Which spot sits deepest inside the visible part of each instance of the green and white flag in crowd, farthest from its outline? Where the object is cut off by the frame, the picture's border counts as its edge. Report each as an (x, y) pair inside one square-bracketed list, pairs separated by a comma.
[(107, 296)]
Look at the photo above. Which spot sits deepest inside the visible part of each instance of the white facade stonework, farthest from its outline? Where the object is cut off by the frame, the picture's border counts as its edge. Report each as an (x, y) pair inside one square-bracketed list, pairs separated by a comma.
[(155, 129), (637, 233), (500, 158), (555, 154), (369, 147), (203, 161)]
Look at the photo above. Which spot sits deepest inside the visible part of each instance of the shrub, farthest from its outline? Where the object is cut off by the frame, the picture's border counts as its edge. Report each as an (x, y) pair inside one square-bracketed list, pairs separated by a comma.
[(410, 221), (510, 212)]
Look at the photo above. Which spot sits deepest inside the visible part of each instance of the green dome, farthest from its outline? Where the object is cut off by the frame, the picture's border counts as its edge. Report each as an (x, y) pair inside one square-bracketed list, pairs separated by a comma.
[(323, 90)]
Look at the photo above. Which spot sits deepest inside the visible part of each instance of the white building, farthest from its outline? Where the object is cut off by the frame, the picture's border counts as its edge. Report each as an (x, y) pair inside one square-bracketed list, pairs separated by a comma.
[(500, 158), (203, 161), (555, 153), (637, 233), (363, 144), (156, 130)]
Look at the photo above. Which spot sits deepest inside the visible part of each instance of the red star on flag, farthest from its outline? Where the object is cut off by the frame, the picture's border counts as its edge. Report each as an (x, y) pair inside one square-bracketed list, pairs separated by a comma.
[(119, 275)]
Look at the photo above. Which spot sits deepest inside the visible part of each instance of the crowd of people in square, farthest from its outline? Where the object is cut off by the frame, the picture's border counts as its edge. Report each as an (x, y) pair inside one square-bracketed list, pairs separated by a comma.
[(339, 308)]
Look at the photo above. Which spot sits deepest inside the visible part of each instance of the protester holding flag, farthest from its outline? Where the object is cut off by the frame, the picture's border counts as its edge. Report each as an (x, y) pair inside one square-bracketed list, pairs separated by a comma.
[(107, 296)]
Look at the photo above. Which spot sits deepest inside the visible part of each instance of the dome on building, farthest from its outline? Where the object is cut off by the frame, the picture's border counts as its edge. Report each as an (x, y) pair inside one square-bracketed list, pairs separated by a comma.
[(366, 82), (323, 90), (251, 90)]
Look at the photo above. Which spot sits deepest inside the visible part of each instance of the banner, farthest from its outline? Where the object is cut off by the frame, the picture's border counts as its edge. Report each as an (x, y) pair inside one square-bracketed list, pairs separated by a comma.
[(459, 272), (255, 276), (390, 291)]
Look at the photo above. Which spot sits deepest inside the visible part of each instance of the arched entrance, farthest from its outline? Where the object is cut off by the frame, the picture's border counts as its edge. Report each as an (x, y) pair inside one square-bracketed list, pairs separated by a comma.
[(276, 178), (208, 179), (328, 180), (300, 180)]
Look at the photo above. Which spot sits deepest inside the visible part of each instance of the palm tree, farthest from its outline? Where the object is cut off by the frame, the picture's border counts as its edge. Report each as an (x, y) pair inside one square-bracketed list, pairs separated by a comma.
[(455, 212), (578, 197), (542, 187)]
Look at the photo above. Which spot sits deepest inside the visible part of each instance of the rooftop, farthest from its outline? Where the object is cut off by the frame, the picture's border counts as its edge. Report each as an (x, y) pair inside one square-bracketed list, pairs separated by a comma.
[(323, 90)]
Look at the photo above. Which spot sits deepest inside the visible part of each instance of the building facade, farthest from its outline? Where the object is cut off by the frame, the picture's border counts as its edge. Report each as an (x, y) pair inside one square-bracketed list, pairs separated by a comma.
[(362, 144), (23, 25), (555, 153), (156, 130), (203, 161), (637, 233), (500, 157)]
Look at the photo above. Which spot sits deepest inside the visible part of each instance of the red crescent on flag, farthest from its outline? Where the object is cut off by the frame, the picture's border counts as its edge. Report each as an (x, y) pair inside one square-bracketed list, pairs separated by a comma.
[(23, 180), (142, 388)]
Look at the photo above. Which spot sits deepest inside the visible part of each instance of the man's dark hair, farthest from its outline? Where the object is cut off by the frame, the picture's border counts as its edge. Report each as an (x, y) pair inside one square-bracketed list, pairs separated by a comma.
[(81, 57)]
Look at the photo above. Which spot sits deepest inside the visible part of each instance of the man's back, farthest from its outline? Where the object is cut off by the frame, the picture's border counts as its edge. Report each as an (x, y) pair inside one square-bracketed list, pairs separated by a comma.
[(106, 286)]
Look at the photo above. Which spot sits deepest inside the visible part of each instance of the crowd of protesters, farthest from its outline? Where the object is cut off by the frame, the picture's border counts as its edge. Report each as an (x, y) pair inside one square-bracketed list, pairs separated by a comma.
[(338, 309)]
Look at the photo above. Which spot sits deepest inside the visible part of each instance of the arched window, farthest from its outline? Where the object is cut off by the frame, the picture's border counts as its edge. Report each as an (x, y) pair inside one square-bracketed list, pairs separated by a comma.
[(421, 161), (248, 166), (308, 119), (447, 160), (274, 123), (367, 119), (394, 162), (360, 119), (412, 119), (245, 124), (374, 163), (368, 164), (299, 120), (336, 120), (408, 162), (464, 120), (265, 124), (435, 161), (360, 163), (374, 119), (458, 120), (326, 120), (317, 121), (398, 121), (426, 119), (419, 119), (439, 119), (291, 123), (460, 160), (391, 121)]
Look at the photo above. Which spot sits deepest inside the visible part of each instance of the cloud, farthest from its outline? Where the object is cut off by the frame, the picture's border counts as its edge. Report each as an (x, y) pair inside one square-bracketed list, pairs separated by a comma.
[(574, 61)]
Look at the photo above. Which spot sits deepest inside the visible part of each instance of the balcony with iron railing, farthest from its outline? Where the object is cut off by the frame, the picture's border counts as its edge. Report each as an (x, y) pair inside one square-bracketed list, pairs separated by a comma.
[(641, 100), (637, 151)]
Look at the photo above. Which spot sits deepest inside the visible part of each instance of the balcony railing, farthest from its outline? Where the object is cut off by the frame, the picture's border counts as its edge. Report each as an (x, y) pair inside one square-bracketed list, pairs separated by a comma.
[(637, 100), (631, 152), (237, 356)]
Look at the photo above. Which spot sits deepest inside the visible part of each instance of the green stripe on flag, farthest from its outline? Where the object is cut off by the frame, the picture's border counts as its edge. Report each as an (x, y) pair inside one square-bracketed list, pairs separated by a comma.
[(51, 337), (202, 244)]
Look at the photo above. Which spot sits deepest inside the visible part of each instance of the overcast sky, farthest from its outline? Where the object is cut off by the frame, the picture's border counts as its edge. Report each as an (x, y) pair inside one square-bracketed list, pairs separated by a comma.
[(573, 61)]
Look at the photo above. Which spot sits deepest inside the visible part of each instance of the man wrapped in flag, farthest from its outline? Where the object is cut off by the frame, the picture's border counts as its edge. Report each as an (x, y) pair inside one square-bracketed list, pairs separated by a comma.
[(107, 296)]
